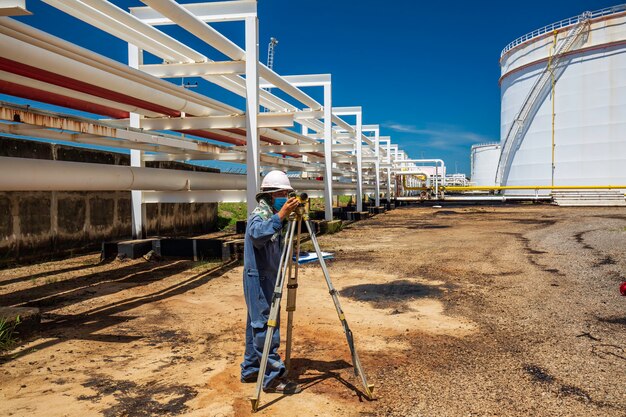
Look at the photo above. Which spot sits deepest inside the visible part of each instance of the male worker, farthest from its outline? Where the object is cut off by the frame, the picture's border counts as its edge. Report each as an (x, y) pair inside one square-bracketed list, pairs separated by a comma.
[(262, 251)]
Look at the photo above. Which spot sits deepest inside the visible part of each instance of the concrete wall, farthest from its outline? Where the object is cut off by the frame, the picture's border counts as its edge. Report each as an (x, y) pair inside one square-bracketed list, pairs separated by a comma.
[(36, 225)]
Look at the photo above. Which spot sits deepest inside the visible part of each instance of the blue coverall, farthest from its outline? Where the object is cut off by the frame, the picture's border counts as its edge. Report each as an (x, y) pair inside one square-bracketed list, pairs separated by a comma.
[(262, 250)]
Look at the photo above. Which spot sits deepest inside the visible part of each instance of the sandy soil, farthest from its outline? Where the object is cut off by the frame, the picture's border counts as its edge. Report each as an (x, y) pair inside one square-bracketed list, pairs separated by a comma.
[(456, 312)]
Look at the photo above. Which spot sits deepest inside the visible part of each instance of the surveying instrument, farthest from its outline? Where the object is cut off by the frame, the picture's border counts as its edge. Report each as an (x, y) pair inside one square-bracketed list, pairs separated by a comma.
[(288, 270)]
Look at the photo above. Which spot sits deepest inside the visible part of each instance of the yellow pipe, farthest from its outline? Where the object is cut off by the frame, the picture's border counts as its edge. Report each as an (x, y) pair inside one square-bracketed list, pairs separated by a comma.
[(534, 187)]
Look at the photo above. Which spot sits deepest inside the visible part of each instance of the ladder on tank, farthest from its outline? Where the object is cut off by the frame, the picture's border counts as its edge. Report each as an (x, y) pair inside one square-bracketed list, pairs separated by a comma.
[(517, 130)]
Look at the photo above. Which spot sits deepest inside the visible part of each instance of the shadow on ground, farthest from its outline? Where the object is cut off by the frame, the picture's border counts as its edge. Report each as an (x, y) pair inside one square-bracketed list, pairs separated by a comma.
[(89, 324), (390, 294)]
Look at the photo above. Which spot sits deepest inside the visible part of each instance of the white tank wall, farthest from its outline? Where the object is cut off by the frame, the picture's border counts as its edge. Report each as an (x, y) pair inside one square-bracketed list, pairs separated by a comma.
[(590, 108), (484, 164)]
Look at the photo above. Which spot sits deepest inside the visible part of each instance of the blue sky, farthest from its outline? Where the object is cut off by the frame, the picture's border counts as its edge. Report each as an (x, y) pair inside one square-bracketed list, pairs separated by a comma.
[(426, 72)]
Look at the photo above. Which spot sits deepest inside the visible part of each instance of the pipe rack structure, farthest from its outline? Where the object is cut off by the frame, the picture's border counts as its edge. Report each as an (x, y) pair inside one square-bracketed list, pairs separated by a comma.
[(138, 109)]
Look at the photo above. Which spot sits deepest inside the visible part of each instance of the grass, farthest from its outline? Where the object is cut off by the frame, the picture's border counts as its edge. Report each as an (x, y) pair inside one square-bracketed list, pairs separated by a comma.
[(206, 264), (229, 213), (7, 333), (344, 200)]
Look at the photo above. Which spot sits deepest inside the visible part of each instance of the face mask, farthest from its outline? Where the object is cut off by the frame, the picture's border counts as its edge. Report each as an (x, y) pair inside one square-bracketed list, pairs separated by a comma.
[(279, 202)]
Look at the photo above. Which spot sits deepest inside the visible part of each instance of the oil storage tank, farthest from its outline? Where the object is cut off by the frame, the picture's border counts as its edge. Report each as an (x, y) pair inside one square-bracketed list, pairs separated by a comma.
[(563, 103), (484, 162)]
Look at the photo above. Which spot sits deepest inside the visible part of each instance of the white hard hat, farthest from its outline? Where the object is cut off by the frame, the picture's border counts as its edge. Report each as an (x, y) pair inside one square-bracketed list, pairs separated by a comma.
[(276, 180)]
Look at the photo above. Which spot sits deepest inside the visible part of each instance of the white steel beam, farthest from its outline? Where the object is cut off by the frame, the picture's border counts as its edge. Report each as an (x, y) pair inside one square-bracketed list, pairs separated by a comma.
[(219, 11), (347, 110), (194, 69), (13, 8), (306, 80), (138, 209), (252, 109), (359, 161), (328, 152)]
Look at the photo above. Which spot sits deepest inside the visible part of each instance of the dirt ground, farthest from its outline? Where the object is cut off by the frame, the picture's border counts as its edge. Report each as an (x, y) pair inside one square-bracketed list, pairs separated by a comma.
[(510, 310)]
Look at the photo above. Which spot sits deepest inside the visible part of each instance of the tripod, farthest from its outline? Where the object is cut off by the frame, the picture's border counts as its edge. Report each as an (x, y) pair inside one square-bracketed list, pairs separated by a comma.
[(287, 268)]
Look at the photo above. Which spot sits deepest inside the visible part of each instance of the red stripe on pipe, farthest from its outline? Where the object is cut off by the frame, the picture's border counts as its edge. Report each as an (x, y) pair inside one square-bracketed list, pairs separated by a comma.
[(19, 68), (30, 93)]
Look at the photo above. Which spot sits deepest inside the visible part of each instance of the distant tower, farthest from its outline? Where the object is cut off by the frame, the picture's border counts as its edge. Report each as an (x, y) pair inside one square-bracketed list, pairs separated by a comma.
[(270, 59), (270, 52)]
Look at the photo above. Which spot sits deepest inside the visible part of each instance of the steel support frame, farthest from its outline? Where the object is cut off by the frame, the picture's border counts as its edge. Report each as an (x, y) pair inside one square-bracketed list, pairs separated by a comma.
[(356, 111), (252, 110), (376, 130), (138, 208), (247, 61), (319, 80)]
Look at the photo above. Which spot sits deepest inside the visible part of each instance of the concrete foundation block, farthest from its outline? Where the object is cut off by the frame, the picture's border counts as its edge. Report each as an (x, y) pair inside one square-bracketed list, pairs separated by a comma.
[(330, 227), (195, 249), (240, 227), (108, 251), (358, 215), (134, 249)]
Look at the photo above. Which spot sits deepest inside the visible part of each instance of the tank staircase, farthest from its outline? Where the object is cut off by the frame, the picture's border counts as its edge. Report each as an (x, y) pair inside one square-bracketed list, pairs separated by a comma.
[(589, 198), (537, 93)]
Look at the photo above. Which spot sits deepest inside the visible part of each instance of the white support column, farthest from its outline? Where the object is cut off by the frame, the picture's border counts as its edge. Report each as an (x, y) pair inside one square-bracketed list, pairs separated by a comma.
[(328, 152), (138, 208), (389, 185), (388, 170), (377, 165), (305, 158), (359, 161), (252, 110)]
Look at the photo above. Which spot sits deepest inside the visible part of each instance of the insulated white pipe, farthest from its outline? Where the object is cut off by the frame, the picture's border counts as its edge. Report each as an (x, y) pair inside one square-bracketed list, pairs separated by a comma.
[(51, 88), (231, 82), (17, 50), (43, 40), (22, 174)]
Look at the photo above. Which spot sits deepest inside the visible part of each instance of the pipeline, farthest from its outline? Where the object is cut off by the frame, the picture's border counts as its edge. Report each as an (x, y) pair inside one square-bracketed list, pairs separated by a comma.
[(24, 174), (407, 187)]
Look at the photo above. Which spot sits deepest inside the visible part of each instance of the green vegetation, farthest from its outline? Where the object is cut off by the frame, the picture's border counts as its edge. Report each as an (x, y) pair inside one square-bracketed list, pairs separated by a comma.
[(229, 213), (206, 264), (7, 333), (344, 200)]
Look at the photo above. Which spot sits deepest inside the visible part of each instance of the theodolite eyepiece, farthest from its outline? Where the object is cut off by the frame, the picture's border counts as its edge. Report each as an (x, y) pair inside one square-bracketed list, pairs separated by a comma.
[(302, 197)]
